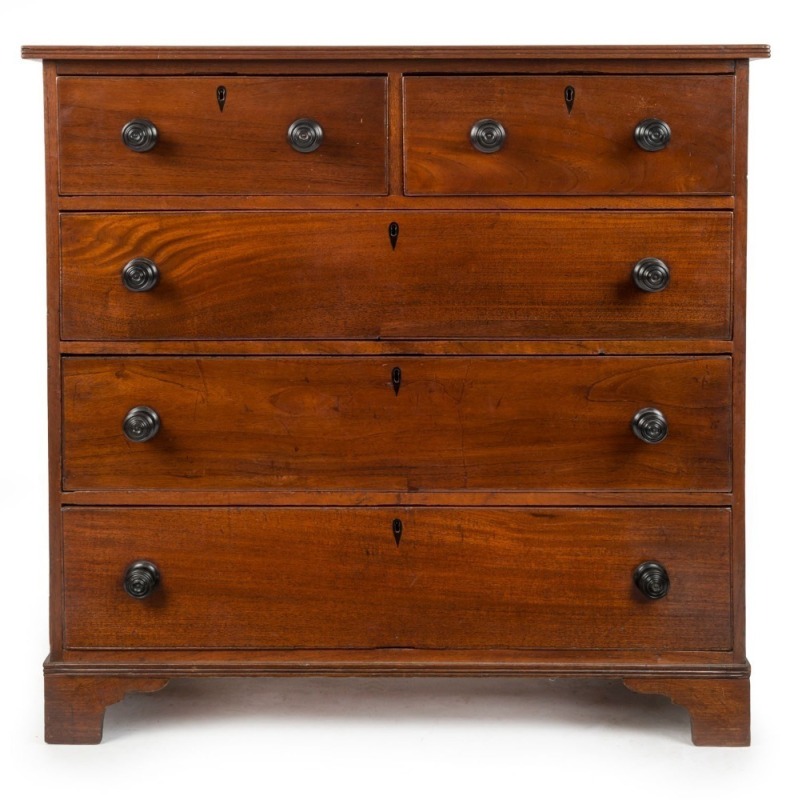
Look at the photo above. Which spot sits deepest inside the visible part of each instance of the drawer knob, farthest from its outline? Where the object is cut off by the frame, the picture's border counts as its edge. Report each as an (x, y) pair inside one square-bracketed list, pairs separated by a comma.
[(305, 135), (650, 425), (652, 580), (140, 135), (141, 579), (652, 134), (487, 135), (140, 275), (651, 275), (141, 424)]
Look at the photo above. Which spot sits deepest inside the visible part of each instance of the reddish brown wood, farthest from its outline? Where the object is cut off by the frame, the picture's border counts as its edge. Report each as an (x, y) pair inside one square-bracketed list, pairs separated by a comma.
[(452, 456), (394, 660), (382, 66), (439, 347), (549, 151), (479, 423), (718, 707), (335, 578), (739, 362), (317, 54), (366, 497), (54, 409), (451, 275), (75, 705), (241, 150), (395, 202)]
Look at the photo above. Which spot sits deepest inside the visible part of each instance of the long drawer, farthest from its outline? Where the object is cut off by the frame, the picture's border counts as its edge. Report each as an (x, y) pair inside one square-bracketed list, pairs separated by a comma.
[(454, 578), (568, 134), (446, 275), (402, 424), (223, 134)]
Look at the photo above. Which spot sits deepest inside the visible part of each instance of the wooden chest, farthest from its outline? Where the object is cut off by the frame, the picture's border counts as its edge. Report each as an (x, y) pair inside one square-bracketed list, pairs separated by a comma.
[(397, 362)]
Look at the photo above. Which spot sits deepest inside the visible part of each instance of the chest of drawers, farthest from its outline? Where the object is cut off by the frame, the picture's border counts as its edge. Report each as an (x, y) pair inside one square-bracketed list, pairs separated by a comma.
[(397, 362)]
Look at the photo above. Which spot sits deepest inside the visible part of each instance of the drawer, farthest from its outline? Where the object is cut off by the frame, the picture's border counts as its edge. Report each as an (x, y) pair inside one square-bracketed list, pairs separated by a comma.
[(458, 578), (460, 275), (548, 148), (453, 423), (239, 146)]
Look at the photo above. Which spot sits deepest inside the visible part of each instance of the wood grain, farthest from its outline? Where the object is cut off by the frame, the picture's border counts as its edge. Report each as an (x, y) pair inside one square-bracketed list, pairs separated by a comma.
[(457, 423), (550, 151), (74, 705), (318, 54), (240, 150), (451, 275), (459, 578), (719, 707)]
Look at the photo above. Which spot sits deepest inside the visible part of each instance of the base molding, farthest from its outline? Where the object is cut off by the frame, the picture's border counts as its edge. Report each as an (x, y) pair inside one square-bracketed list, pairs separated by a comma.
[(77, 694)]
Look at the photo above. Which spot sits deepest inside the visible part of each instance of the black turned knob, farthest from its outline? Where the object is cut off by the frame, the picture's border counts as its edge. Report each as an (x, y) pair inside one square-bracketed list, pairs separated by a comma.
[(650, 425), (652, 134), (141, 579), (652, 580), (140, 275), (141, 424), (651, 275), (487, 135), (305, 135), (140, 135)]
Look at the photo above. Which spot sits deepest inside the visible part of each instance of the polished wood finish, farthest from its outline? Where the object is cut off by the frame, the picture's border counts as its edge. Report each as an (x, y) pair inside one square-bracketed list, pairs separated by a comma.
[(394, 202), (332, 54), (336, 276), (548, 150), (361, 497), (74, 705), (461, 423), (718, 707), (505, 357), (458, 578), (242, 149), (407, 347)]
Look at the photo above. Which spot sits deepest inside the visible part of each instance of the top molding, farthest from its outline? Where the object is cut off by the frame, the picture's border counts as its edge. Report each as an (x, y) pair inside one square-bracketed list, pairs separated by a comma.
[(57, 53)]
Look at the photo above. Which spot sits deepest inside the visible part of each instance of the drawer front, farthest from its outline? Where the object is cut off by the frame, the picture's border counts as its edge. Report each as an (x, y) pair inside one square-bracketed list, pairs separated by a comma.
[(549, 149), (458, 578), (454, 423), (240, 148), (450, 275)]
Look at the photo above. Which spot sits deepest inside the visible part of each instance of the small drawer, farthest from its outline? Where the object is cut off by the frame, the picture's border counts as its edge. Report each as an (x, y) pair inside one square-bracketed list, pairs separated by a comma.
[(568, 134), (412, 423), (222, 135), (452, 275), (338, 578)]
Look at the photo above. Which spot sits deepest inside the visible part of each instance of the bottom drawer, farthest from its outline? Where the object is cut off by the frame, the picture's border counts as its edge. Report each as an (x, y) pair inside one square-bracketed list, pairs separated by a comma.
[(355, 578)]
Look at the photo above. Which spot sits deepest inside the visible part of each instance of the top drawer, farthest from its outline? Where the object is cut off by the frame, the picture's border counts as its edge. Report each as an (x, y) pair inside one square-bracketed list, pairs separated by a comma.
[(224, 135), (567, 135)]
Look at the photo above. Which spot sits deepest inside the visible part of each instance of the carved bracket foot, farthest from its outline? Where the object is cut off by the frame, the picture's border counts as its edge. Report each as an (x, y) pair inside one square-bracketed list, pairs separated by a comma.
[(718, 707), (74, 705)]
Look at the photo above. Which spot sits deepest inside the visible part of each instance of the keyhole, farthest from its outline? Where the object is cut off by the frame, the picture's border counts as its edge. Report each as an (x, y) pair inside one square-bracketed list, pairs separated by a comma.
[(222, 93), (397, 531), (396, 379), (570, 96)]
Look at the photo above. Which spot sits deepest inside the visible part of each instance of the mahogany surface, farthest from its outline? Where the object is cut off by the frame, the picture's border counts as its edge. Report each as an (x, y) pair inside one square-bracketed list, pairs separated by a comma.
[(457, 578), (549, 150), (455, 423), (240, 149), (268, 346), (450, 275)]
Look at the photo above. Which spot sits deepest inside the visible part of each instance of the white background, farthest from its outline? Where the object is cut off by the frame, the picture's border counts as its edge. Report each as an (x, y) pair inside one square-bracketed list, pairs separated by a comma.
[(386, 738)]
